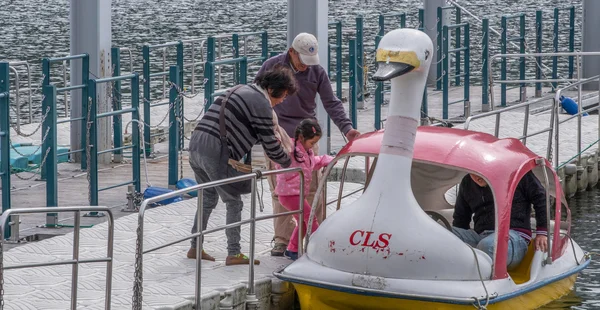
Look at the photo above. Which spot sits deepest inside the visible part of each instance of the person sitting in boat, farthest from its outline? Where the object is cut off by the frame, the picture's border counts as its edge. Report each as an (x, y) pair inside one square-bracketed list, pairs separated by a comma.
[(233, 124), (306, 135), (475, 200)]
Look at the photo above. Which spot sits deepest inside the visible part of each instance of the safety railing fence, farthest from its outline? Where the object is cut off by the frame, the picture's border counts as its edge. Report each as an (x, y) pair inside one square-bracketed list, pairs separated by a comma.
[(5, 220), (175, 126), (457, 50), (5, 136), (93, 149), (17, 90), (555, 40), (147, 77), (209, 74), (439, 25), (578, 116), (252, 177), (337, 47), (503, 48), (47, 121)]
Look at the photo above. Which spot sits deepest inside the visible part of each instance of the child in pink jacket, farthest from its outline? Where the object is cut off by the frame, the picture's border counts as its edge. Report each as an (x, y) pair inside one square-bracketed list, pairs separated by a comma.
[(307, 134)]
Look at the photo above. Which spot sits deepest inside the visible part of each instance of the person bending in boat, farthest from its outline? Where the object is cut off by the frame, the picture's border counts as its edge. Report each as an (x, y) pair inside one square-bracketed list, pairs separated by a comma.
[(306, 135), (475, 200), (233, 124), (303, 58)]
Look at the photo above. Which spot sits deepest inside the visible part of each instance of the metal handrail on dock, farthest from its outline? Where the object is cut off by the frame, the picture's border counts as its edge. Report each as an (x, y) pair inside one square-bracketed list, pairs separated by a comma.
[(253, 177), (75, 261)]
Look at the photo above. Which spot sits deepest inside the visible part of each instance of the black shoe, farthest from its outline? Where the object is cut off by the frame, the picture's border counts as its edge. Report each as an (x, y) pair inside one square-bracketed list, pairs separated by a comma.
[(291, 255)]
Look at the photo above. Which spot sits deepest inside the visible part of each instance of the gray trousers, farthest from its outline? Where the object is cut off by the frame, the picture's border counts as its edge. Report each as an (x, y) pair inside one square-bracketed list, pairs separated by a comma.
[(205, 163)]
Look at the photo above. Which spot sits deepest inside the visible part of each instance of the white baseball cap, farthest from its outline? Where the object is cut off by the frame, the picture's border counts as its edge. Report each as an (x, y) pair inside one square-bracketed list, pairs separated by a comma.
[(307, 46)]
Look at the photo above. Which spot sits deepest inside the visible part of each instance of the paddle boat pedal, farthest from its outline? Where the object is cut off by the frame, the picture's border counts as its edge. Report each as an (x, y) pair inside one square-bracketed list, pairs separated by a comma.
[(387, 250)]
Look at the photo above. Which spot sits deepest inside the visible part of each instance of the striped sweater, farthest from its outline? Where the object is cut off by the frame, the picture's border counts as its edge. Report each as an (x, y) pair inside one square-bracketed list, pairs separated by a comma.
[(249, 121)]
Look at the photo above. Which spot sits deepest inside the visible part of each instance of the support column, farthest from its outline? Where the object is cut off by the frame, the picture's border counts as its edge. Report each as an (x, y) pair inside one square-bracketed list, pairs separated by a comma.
[(430, 7), (91, 34), (590, 41), (311, 16)]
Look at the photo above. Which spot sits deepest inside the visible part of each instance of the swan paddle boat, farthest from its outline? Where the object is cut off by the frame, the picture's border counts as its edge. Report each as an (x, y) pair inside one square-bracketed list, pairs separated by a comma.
[(393, 248)]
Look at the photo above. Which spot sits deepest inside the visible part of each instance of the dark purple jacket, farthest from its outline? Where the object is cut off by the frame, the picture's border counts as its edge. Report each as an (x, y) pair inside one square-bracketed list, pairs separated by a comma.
[(302, 104)]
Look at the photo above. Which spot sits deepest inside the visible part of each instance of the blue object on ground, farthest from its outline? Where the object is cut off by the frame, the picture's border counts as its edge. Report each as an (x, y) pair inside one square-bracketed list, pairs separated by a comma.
[(570, 105), (154, 191), (185, 183)]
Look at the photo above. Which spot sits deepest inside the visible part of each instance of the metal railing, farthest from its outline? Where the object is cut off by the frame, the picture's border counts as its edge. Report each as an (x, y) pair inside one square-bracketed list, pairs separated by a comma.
[(209, 74), (457, 74), (93, 129), (503, 45), (75, 261), (440, 44), (18, 91), (85, 69), (5, 136), (578, 116), (251, 298)]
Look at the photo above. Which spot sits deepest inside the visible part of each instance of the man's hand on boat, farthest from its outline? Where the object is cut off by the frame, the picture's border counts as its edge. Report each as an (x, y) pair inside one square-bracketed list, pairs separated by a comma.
[(541, 242), (352, 134)]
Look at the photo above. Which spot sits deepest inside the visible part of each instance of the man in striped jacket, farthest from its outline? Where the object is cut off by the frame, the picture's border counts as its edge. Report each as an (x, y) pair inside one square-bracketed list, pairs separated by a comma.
[(248, 121)]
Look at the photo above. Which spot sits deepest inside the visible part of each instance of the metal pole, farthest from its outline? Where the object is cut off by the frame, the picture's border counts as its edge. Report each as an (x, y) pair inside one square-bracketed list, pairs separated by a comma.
[(538, 49), (85, 78), (146, 102), (173, 127), (438, 82), (485, 59), (571, 38), (467, 72), (135, 133), (75, 266), (109, 264), (46, 82), (457, 55), (209, 74), (523, 90), (117, 105), (180, 65), (49, 147), (555, 47), (93, 145), (5, 144), (352, 71), (236, 54), (199, 240), (379, 92), (445, 67), (251, 297), (503, 62), (359, 62), (579, 103)]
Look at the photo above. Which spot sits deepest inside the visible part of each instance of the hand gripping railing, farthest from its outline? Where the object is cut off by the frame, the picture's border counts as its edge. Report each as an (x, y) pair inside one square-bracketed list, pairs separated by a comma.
[(75, 261), (251, 298)]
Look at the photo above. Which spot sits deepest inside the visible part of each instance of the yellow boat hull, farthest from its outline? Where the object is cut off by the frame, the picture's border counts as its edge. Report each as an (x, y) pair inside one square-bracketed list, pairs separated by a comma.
[(316, 298)]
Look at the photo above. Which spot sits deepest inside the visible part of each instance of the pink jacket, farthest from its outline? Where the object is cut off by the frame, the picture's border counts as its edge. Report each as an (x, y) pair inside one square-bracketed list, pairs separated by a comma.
[(288, 184)]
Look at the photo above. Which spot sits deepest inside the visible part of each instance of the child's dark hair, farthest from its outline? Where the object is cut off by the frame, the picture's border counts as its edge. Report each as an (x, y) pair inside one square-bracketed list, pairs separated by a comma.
[(308, 128), (279, 79)]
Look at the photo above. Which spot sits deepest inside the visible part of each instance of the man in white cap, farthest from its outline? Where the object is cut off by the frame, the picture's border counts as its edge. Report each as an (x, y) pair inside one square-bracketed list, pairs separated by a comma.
[(303, 58)]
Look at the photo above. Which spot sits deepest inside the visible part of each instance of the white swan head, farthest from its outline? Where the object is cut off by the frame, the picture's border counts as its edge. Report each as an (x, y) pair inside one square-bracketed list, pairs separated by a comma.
[(402, 51)]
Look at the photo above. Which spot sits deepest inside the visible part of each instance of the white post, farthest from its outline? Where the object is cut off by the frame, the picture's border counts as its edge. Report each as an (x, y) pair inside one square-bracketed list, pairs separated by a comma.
[(312, 16), (590, 41), (430, 7), (91, 34)]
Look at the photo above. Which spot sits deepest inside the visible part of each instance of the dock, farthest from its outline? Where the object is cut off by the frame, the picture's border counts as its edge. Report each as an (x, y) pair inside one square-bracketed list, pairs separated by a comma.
[(169, 275)]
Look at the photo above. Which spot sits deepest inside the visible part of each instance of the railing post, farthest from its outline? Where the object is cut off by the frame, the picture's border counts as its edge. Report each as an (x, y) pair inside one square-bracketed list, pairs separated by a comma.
[(438, 83), (5, 140), (523, 90), (338, 59), (46, 82), (571, 39), (352, 81), (93, 145), (378, 93), (49, 148), (485, 59), (555, 49), (146, 101), (180, 65), (457, 40), (467, 71), (235, 44), (359, 62), (135, 133), (264, 47), (85, 77), (117, 105), (381, 31), (173, 127), (503, 62), (421, 19), (209, 75), (244, 70), (445, 74), (538, 49), (403, 20)]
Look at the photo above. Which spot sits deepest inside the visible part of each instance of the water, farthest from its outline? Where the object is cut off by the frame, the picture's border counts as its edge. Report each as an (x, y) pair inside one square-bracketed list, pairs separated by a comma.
[(31, 30)]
